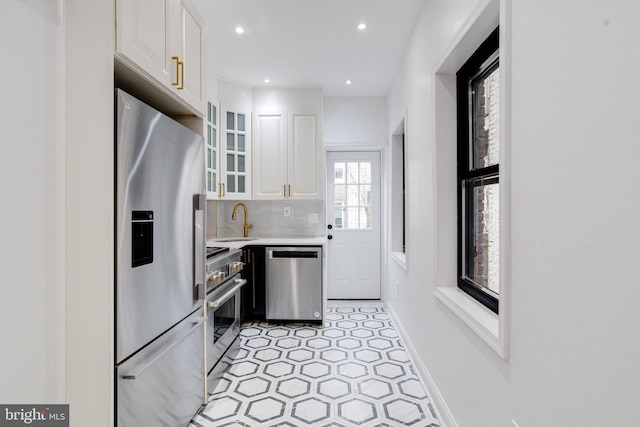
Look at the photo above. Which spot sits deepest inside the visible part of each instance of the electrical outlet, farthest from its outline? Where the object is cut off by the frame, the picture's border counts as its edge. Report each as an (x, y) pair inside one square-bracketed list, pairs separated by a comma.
[(287, 211)]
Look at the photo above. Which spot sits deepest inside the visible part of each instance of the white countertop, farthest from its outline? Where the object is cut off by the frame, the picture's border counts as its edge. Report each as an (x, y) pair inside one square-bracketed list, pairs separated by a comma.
[(241, 242)]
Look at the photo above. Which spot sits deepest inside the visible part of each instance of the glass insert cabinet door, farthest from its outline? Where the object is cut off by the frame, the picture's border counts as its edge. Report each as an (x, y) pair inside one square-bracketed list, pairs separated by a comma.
[(235, 163), (212, 152)]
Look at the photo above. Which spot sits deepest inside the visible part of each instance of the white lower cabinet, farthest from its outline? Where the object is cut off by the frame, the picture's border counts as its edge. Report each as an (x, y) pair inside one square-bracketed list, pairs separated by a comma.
[(287, 155)]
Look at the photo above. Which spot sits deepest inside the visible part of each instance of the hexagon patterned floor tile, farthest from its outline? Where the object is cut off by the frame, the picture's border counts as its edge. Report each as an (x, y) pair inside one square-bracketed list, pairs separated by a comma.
[(354, 372)]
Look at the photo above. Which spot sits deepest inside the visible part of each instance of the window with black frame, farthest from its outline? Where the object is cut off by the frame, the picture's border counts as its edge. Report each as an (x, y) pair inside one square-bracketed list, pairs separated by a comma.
[(478, 103)]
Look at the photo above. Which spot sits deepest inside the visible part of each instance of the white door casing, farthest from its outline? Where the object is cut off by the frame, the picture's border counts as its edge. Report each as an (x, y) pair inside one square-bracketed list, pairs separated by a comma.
[(354, 222)]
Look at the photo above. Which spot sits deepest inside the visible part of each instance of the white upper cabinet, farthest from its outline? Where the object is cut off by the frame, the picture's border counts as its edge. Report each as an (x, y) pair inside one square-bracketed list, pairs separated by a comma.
[(287, 154), (164, 41), (235, 158)]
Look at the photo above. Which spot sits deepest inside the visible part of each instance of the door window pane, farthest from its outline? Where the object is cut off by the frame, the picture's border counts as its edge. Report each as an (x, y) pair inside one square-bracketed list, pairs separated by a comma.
[(353, 199)]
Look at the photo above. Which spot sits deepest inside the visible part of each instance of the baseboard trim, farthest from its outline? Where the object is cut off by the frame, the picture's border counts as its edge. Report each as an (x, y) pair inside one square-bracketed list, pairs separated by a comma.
[(445, 417)]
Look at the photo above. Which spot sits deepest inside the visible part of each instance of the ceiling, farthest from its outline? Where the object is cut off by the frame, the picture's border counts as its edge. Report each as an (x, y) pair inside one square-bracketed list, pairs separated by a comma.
[(309, 43)]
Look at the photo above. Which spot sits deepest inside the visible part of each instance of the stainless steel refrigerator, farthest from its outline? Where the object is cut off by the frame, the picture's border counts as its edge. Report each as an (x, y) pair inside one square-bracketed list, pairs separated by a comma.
[(160, 245)]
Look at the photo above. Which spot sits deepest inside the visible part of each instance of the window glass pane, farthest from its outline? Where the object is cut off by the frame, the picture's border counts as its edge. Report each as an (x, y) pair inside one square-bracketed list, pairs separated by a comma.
[(231, 183), (486, 119), (241, 187), (352, 195), (365, 195), (231, 164), (352, 173), (241, 122), (484, 260), (340, 194), (339, 169), (339, 214), (364, 217), (365, 173), (231, 142), (241, 164), (230, 120), (241, 147)]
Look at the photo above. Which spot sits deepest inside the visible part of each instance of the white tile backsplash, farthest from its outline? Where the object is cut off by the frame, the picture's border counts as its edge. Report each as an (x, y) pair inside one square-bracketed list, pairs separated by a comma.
[(268, 218)]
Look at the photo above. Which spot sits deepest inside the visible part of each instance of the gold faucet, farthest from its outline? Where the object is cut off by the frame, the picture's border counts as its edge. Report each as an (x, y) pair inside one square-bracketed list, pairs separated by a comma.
[(246, 226)]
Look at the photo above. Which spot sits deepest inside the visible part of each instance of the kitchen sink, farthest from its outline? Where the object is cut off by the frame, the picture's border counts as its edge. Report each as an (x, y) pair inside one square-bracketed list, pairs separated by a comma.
[(235, 239)]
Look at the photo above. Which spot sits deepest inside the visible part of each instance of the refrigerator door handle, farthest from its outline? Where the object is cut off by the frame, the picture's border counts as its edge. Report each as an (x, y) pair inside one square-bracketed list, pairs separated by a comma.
[(140, 369), (200, 202)]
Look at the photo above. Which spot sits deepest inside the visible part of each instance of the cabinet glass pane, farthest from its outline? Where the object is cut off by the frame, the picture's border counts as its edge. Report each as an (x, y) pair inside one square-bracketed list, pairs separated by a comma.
[(230, 121), (241, 186), (210, 158), (209, 112), (230, 142), (241, 146), (214, 139), (231, 164), (209, 135), (209, 181), (215, 159), (231, 183), (214, 118), (241, 164), (241, 122)]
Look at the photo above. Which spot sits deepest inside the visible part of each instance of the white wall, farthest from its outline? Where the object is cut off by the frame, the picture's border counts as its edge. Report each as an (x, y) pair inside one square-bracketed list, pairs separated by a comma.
[(356, 121), (32, 365), (89, 172), (574, 344)]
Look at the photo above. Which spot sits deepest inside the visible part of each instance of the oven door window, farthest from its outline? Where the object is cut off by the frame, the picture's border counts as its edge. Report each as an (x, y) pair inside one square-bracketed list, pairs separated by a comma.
[(223, 318)]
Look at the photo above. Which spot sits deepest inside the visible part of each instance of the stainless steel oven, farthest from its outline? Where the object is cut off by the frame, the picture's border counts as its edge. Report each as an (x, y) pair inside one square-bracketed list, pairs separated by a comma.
[(223, 302)]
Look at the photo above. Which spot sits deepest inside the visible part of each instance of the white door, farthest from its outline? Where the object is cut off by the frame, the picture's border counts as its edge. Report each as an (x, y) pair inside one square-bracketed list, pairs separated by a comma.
[(353, 222)]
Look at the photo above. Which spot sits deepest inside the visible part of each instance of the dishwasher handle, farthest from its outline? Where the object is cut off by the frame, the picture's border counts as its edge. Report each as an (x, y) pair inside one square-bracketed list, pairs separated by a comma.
[(293, 254)]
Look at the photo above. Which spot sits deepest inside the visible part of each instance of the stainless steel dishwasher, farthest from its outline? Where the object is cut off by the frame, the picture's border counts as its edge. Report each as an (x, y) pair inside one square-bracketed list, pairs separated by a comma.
[(294, 283)]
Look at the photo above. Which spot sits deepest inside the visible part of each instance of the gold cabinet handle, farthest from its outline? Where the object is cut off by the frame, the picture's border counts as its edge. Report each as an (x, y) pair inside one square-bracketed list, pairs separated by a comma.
[(289, 190), (219, 190), (175, 58), (224, 190), (284, 191), (181, 63)]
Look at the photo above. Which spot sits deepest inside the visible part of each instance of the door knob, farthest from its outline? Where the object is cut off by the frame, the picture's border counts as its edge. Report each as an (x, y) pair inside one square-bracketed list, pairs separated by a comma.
[(329, 237)]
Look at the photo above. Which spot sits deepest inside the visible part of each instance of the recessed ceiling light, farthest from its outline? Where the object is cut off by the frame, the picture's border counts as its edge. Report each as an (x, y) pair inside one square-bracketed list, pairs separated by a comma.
[(348, 82), (266, 80), (239, 30), (362, 26)]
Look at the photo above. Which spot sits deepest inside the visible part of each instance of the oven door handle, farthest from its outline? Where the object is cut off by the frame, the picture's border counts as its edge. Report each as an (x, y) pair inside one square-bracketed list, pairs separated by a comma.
[(140, 369), (215, 304)]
